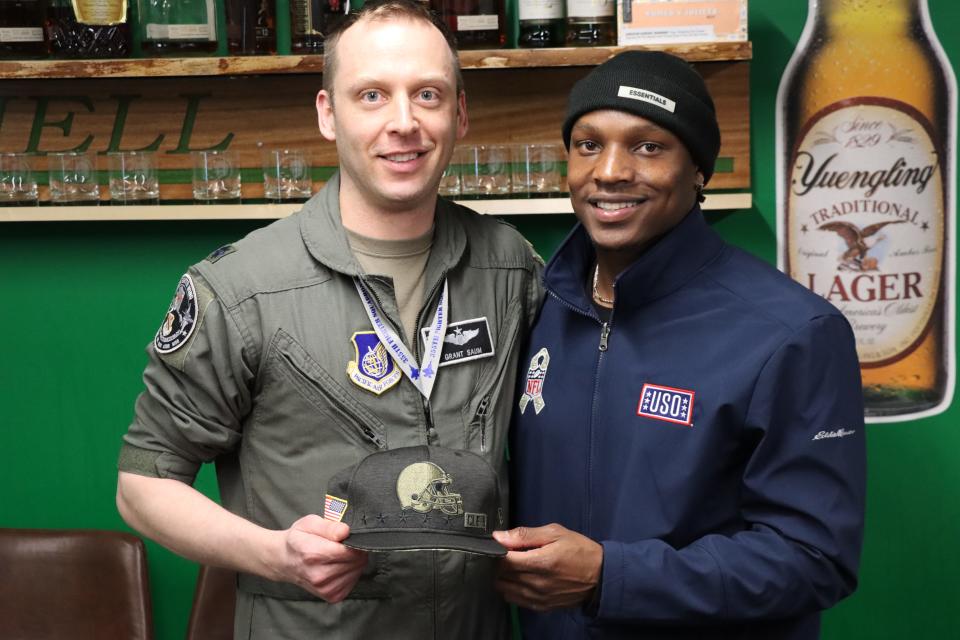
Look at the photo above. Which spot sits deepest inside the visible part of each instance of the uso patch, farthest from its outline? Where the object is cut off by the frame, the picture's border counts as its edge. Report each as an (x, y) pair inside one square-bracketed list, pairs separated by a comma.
[(667, 404), (181, 318)]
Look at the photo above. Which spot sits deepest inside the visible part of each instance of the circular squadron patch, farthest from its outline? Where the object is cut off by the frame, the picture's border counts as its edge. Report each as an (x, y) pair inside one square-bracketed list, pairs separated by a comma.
[(181, 318)]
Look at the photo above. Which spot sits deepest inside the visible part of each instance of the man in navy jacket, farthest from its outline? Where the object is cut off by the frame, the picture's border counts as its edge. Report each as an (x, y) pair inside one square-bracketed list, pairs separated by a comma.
[(688, 448)]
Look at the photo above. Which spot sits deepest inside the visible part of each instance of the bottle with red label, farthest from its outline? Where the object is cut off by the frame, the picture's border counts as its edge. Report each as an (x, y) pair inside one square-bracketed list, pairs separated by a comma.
[(477, 24)]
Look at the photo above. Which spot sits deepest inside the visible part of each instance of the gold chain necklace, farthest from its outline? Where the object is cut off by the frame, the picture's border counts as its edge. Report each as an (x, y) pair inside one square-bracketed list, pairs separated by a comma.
[(596, 294)]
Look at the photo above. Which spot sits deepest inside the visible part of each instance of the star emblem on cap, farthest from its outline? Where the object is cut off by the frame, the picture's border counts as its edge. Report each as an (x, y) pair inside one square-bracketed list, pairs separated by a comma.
[(381, 519)]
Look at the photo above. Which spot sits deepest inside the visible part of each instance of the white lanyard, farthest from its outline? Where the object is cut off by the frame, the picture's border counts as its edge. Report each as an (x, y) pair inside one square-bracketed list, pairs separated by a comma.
[(423, 377)]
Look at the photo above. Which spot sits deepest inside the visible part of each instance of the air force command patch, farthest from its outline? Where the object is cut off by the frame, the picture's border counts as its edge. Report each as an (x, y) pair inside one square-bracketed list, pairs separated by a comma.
[(536, 374), (667, 404), (181, 318), (373, 369)]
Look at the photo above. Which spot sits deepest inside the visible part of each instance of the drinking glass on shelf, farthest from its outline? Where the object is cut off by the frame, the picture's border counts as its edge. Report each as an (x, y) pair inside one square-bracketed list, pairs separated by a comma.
[(73, 178), (17, 185), (450, 181), (216, 175), (537, 168), (485, 170), (133, 177), (286, 174)]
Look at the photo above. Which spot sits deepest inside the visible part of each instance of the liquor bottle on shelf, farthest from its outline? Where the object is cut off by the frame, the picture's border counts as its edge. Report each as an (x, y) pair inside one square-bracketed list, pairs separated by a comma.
[(541, 23), (310, 20), (21, 29), (178, 27), (591, 23), (866, 127), (251, 27), (88, 29), (478, 24)]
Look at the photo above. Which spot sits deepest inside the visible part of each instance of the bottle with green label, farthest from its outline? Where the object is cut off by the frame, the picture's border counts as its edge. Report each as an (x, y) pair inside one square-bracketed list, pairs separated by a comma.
[(178, 27)]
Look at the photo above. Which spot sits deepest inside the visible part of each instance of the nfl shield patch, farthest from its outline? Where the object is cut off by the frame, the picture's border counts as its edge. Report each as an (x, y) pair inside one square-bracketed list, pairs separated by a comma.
[(373, 369), (667, 404)]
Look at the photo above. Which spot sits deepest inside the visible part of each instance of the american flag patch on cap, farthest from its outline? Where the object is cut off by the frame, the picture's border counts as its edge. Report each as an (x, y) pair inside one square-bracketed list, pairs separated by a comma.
[(666, 403), (334, 508)]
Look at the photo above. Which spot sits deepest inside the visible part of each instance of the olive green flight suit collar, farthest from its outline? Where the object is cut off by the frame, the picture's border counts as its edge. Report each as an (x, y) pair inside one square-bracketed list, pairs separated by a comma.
[(326, 239)]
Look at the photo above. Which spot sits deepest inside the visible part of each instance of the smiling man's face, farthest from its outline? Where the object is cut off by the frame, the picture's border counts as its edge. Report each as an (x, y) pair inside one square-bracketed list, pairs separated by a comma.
[(396, 112), (630, 180)]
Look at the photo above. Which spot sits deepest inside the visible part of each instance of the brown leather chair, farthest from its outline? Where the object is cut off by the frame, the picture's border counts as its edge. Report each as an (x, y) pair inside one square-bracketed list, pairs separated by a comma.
[(214, 601), (76, 584)]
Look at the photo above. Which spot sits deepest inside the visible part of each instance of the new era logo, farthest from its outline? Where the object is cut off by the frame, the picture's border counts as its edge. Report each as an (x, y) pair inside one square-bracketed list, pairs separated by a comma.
[(475, 520), (667, 404)]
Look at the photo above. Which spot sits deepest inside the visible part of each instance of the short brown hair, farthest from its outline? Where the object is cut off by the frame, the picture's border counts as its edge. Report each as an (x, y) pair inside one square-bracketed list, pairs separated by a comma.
[(386, 10)]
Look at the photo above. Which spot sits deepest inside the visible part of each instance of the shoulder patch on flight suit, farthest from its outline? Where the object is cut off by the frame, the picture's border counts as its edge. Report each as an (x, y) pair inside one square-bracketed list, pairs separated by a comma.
[(181, 321), (225, 250), (181, 318)]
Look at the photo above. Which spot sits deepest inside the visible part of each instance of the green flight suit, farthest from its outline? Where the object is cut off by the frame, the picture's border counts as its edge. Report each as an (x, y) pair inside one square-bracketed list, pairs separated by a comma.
[(260, 386)]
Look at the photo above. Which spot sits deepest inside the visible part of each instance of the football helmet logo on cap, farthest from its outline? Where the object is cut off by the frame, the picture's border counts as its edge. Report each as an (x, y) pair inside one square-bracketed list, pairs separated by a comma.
[(422, 486)]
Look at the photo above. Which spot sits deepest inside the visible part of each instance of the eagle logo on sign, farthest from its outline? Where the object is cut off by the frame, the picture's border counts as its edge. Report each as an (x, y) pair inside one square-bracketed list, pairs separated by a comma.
[(859, 242)]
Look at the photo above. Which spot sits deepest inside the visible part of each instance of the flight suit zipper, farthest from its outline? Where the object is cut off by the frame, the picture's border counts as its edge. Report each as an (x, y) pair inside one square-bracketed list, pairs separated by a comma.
[(361, 429), (480, 421), (427, 412)]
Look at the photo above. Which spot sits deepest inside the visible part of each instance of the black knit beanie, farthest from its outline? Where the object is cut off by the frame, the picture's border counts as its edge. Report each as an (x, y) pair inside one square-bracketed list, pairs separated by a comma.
[(657, 86)]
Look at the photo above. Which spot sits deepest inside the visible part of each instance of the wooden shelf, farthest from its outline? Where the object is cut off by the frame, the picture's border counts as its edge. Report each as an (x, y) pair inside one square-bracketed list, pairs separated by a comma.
[(271, 65), (105, 212)]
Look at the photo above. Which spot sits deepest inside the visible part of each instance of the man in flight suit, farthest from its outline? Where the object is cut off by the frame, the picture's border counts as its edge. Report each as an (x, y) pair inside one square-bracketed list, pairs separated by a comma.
[(321, 338)]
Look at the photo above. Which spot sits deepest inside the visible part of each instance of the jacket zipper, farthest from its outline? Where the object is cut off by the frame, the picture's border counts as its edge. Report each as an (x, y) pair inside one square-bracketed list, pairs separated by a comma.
[(604, 336), (367, 431), (605, 329)]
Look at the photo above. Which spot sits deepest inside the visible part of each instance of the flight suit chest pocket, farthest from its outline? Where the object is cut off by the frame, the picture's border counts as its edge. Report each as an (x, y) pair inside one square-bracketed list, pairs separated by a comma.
[(298, 390)]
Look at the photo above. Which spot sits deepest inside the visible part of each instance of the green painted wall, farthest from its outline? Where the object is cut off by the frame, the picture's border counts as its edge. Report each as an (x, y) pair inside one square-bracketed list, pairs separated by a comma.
[(78, 302)]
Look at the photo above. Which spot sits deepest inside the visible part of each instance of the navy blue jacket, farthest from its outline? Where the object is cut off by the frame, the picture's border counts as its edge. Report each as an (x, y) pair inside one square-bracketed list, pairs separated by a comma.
[(715, 447)]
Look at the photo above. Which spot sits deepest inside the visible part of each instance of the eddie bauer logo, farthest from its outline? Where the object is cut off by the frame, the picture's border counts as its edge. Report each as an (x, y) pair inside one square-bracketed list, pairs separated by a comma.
[(839, 433)]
